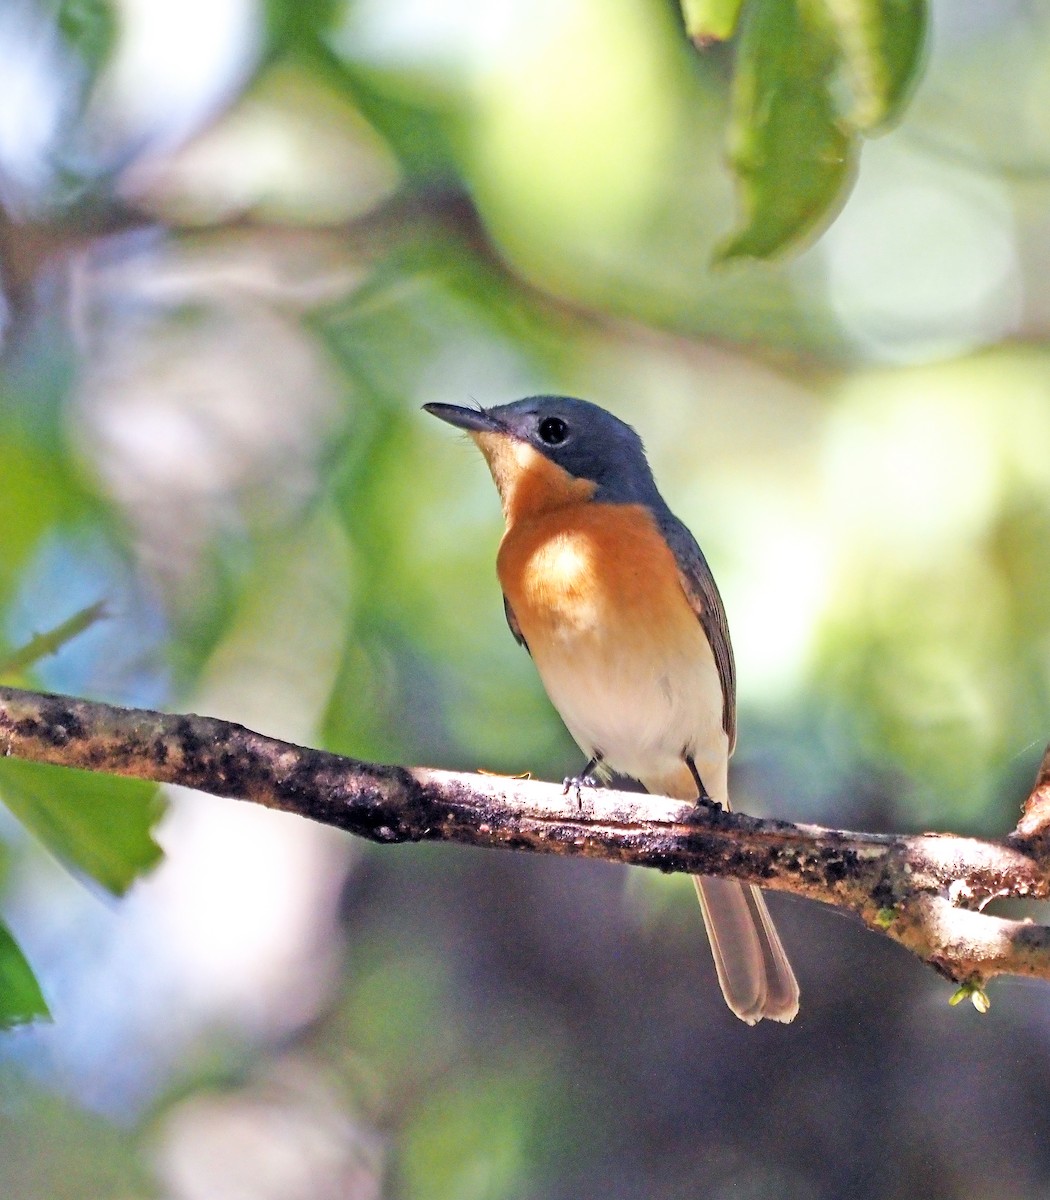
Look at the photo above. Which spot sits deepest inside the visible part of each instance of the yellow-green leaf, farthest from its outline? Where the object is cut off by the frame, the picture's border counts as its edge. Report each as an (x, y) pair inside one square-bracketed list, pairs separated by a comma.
[(973, 992), (98, 824), (21, 999), (710, 20), (881, 42), (791, 151)]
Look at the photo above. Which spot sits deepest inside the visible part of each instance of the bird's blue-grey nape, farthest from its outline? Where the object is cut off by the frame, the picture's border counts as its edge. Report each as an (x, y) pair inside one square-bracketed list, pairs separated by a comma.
[(585, 440)]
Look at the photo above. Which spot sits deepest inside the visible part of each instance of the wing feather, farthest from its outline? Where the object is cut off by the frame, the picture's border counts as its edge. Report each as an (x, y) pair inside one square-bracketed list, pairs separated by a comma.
[(702, 593), (515, 628)]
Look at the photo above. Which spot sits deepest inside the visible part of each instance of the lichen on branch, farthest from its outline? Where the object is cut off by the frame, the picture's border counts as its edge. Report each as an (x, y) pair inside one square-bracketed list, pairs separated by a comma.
[(924, 891)]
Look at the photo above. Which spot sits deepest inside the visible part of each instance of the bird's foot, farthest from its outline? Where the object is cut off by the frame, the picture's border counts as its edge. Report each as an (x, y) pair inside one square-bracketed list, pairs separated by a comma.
[(579, 781), (585, 779), (703, 796)]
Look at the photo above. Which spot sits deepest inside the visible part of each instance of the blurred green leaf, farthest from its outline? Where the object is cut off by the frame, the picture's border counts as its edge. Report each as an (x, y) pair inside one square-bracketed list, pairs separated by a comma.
[(788, 146), (53, 1148), (881, 42), (418, 128), (299, 24), (45, 644), (99, 824), (228, 566), (393, 1010), (33, 496), (21, 999), (90, 27), (471, 1142), (710, 20)]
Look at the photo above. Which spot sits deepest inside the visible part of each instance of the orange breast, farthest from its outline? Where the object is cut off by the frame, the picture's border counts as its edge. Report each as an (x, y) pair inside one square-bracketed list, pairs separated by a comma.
[(623, 657), (593, 572)]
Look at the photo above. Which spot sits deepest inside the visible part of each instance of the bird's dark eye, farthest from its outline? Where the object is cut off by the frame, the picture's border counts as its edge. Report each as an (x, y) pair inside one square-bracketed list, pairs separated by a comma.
[(553, 431)]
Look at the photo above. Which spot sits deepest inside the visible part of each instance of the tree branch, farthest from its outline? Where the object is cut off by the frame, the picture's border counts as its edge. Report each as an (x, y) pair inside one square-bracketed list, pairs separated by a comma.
[(924, 891)]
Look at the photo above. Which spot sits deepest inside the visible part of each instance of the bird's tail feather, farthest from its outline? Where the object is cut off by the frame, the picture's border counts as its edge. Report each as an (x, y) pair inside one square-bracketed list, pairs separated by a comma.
[(753, 969)]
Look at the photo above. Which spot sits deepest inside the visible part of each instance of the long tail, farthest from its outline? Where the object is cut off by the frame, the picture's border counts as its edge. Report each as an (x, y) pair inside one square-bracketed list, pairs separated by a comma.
[(753, 969)]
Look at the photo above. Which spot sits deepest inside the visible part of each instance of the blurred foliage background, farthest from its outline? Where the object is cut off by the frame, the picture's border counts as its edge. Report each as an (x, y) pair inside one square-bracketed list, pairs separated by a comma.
[(242, 242)]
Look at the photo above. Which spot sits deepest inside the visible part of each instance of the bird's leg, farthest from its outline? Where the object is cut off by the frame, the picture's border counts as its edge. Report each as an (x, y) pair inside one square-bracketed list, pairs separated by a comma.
[(703, 796), (586, 778)]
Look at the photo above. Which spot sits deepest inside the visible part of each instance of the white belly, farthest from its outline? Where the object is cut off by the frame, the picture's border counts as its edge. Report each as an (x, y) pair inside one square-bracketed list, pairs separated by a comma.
[(620, 651), (643, 710)]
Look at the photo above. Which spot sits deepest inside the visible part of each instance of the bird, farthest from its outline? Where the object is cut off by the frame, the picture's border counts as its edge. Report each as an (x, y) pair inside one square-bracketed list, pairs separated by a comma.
[(612, 597)]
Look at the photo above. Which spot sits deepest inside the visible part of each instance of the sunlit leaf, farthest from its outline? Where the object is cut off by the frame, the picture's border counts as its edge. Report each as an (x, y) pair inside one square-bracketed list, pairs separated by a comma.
[(21, 999), (789, 148), (881, 42), (98, 824), (710, 20), (787, 145)]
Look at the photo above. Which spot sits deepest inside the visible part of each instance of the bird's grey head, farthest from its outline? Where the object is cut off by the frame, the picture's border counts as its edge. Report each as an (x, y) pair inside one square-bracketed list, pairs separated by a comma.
[(583, 439)]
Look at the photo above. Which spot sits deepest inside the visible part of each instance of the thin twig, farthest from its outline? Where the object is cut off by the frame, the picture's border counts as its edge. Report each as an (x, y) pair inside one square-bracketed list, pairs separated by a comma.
[(42, 645)]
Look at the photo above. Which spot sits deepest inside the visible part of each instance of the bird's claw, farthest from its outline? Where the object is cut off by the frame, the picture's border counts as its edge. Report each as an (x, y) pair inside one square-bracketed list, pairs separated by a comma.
[(578, 782)]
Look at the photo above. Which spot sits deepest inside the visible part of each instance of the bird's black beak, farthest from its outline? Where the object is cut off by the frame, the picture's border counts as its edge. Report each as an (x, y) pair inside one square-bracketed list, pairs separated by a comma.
[(474, 420)]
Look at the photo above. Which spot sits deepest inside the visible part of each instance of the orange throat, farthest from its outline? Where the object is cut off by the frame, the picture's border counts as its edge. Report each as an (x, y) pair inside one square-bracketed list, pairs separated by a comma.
[(527, 482)]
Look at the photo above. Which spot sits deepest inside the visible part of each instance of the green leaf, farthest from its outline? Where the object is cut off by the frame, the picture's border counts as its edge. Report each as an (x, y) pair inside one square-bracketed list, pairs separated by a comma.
[(710, 20), (32, 499), (973, 992), (21, 999), (881, 43), (299, 22), (90, 27), (98, 824), (471, 1140), (790, 150)]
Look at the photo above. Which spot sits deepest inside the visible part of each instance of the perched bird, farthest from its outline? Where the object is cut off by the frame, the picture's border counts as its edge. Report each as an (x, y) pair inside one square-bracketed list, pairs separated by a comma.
[(612, 597)]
